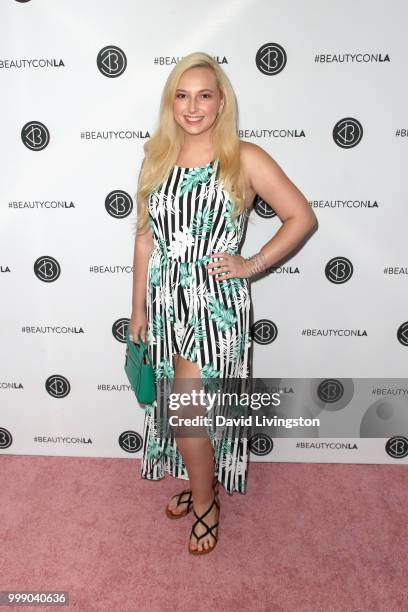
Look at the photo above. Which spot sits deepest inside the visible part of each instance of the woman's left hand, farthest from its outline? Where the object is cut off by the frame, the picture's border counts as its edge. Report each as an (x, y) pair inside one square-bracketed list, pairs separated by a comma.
[(232, 266)]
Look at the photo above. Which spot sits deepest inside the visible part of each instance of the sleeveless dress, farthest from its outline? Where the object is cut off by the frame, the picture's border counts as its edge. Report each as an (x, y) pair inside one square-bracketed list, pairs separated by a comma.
[(190, 313)]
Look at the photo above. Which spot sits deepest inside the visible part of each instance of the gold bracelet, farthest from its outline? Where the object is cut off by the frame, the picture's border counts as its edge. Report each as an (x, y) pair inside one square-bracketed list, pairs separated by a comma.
[(256, 263)]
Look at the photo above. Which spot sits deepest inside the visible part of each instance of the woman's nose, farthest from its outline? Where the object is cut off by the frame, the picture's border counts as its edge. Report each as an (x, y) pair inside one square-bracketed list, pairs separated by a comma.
[(192, 106)]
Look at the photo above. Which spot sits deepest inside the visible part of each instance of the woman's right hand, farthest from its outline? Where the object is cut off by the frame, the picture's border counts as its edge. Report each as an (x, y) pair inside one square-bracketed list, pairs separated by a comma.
[(138, 325)]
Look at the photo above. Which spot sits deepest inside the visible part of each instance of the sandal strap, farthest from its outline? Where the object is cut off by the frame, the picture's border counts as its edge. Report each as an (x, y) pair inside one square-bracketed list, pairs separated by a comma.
[(189, 500), (184, 501), (189, 492), (200, 520)]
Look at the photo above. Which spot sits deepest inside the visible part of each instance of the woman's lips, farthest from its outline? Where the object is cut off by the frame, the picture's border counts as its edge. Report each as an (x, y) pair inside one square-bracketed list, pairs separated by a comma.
[(193, 120)]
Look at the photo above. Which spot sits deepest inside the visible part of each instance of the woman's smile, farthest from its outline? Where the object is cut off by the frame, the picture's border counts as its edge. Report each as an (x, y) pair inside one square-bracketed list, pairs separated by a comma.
[(192, 119)]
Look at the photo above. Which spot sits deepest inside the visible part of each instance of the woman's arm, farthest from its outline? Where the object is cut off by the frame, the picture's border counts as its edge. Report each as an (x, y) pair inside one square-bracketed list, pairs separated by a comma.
[(269, 181), (143, 247)]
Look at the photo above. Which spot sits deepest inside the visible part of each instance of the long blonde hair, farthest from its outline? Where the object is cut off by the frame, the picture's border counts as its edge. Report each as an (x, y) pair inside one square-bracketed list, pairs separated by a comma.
[(163, 147)]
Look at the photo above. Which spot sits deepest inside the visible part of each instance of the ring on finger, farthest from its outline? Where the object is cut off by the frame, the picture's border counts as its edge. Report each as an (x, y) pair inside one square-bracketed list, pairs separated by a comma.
[(221, 269), (222, 276)]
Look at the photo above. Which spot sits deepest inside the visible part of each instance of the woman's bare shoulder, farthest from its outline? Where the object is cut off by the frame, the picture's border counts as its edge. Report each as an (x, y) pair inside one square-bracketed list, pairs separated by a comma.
[(255, 161), (251, 153)]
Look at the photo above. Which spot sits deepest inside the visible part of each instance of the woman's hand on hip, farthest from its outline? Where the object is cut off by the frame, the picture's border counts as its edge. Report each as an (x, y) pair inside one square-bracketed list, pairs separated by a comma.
[(231, 266)]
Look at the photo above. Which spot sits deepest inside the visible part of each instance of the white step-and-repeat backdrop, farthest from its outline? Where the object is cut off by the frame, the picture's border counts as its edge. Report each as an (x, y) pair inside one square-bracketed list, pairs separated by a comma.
[(321, 87)]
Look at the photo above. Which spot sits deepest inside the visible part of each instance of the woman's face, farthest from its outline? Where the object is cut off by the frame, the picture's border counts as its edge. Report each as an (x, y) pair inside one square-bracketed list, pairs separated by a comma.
[(197, 100)]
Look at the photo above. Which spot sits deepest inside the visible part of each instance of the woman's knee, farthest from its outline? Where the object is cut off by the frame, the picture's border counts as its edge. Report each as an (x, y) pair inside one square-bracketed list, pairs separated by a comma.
[(187, 369)]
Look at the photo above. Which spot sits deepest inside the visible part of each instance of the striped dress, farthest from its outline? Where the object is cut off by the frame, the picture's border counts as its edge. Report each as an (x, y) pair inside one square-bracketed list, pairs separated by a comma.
[(192, 314)]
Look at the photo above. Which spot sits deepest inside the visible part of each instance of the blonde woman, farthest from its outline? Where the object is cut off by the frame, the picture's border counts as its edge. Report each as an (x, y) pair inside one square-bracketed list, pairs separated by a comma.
[(191, 300)]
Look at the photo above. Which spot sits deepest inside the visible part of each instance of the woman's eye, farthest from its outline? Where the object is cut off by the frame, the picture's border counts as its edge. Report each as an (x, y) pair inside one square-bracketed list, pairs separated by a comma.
[(181, 95)]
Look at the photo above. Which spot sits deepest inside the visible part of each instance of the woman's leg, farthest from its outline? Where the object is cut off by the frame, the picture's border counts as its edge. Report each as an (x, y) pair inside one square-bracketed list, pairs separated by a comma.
[(197, 453)]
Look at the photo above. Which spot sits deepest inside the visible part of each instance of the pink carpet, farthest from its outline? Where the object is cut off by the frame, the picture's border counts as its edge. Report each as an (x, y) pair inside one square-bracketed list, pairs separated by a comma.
[(305, 537)]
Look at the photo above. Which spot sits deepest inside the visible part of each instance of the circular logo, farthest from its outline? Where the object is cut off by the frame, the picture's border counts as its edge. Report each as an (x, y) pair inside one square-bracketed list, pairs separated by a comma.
[(130, 441), (330, 395), (260, 444), (347, 133), (339, 270), (47, 269), (264, 331), (262, 208), (6, 439), (402, 333), (57, 386), (118, 204), (35, 135), (271, 59), (119, 329), (330, 391), (397, 447), (111, 61)]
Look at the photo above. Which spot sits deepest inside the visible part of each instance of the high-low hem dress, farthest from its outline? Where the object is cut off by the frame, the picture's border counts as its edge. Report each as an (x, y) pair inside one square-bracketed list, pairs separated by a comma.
[(190, 313)]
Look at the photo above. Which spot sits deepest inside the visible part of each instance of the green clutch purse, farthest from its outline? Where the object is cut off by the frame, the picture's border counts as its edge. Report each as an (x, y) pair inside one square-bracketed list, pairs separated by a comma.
[(139, 370)]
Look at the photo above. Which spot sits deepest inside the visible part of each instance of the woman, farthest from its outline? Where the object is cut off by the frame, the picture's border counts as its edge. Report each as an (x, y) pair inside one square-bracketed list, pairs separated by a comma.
[(191, 301)]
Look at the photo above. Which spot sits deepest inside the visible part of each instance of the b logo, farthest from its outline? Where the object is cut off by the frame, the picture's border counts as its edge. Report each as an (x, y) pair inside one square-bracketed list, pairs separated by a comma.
[(47, 269), (264, 331), (118, 204), (260, 444), (35, 135), (119, 329), (111, 61), (339, 270), (402, 333), (57, 386), (271, 59), (262, 208), (347, 133), (6, 439), (330, 390), (130, 441), (397, 447)]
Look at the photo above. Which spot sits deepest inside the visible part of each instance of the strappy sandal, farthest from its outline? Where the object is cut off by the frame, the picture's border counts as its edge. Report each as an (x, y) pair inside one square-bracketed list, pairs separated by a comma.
[(209, 529), (188, 501)]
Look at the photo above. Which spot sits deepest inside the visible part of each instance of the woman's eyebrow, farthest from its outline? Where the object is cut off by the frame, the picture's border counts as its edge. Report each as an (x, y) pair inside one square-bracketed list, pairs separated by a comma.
[(199, 91)]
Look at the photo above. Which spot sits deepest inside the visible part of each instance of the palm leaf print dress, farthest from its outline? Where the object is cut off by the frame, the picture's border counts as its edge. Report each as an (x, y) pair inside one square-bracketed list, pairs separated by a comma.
[(190, 313)]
